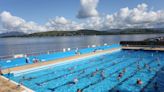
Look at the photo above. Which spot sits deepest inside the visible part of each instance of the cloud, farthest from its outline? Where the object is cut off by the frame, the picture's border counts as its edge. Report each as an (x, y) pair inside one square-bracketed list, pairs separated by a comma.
[(14, 23), (88, 9), (139, 17), (62, 24)]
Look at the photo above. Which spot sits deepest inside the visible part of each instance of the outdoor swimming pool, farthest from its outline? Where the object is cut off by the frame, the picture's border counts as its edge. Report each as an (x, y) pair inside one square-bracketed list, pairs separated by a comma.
[(99, 73)]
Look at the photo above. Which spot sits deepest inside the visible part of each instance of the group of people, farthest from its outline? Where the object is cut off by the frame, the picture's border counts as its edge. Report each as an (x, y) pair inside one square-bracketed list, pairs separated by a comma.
[(34, 60), (150, 69)]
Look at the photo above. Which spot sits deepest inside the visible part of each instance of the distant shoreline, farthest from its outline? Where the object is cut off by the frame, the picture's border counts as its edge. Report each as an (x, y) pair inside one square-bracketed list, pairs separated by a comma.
[(78, 35), (85, 32)]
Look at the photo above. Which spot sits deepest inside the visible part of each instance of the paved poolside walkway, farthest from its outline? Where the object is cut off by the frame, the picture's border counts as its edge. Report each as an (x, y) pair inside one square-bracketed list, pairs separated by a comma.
[(7, 85)]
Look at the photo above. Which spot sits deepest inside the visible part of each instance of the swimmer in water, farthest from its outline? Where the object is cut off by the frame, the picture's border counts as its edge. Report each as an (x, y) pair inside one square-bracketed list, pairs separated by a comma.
[(124, 70), (79, 90), (155, 86), (145, 65), (139, 82), (120, 75), (149, 69), (114, 63), (138, 67), (82, 72), (94, 73), (38, 84), (71, 68), (29, 79), (73, 82), (102, 75)]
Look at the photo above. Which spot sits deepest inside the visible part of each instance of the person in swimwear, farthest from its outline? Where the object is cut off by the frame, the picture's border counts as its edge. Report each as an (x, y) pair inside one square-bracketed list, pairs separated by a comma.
[(139, 82), (156, 86), (94, 73), (73, 82), (120, 75), (102, 75), (79, 90), (71, 68), (124, 70)]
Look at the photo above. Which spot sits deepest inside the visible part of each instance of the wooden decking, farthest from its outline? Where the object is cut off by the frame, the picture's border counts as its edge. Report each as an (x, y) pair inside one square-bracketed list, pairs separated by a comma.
[(143, 48)]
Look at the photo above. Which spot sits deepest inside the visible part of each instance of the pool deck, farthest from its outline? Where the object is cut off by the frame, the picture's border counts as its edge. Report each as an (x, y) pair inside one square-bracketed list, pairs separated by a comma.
[(7, 85), (143, 48)]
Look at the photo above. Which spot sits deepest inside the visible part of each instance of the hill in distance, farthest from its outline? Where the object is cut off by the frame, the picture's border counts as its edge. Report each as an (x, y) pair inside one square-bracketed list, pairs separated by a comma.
[(87, 32), (12, 34)]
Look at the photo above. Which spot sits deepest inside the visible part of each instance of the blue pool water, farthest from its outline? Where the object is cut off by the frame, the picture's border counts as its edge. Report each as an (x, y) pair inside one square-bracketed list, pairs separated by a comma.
[(89, 73), (47, 57)]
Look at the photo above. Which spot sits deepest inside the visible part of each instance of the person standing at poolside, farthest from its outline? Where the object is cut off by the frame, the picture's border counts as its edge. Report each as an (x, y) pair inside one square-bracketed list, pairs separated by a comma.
[(27, 60)]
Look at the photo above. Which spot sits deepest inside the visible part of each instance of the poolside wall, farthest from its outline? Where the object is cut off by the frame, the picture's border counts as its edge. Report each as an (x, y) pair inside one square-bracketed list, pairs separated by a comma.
[(64, 56)]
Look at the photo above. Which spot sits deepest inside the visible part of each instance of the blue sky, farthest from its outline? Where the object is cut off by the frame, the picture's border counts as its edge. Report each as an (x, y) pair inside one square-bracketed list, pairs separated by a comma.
[(41, 11)]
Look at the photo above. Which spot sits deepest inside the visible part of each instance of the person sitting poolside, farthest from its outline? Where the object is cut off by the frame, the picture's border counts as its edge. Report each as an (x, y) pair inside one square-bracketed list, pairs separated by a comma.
[(35, 60), (139, 82), (1, 71), (19, 85)]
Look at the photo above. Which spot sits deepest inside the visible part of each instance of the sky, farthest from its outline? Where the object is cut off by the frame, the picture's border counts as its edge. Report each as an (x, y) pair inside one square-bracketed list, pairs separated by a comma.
[(45, 15)]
